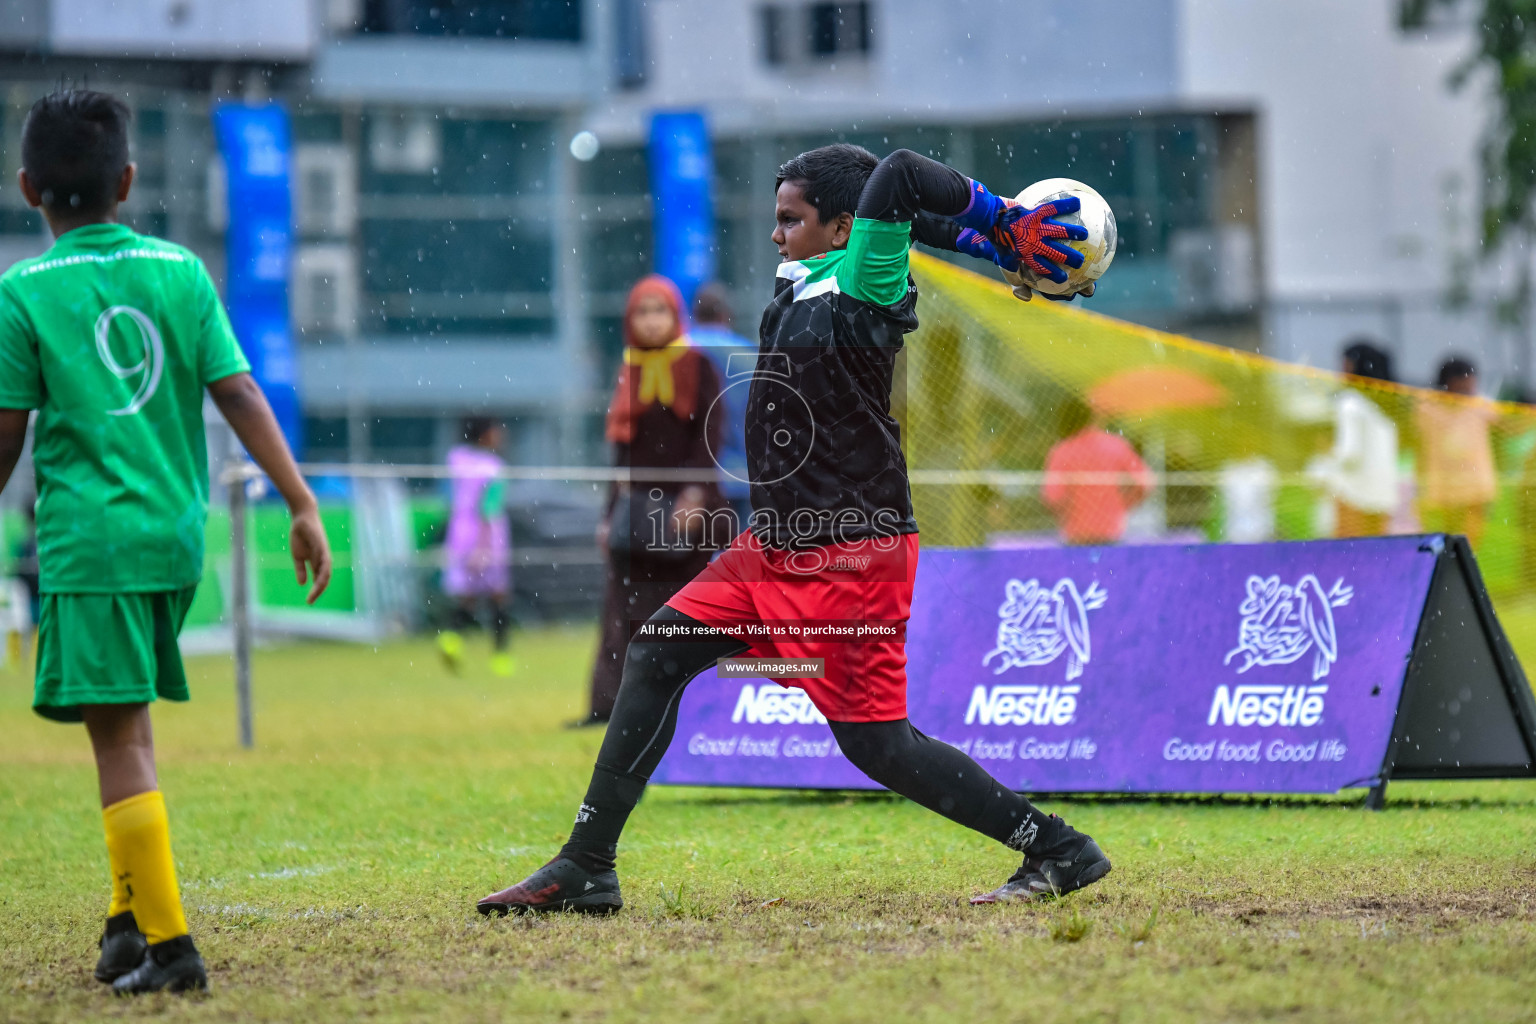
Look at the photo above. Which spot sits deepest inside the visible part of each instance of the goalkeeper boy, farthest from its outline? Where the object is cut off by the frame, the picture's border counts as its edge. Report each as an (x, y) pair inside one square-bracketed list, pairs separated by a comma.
[(832, 535), (112, 337)]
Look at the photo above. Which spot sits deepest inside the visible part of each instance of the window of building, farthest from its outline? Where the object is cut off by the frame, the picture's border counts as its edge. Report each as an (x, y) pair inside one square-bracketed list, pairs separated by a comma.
[(325, 438), (801, 33), (404, 439), (469, 276), (839, 29), (455, 237), (775, 19), (558, 20), (1151, 170), (149, 147), (618, 238), (630, 51)]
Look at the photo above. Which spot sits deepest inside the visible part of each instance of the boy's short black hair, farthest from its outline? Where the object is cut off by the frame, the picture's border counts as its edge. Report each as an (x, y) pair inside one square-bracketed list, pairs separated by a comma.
[(474, 428), (832, 177), (1368, 360), (74, 147), (711, 305), (1454, 368)]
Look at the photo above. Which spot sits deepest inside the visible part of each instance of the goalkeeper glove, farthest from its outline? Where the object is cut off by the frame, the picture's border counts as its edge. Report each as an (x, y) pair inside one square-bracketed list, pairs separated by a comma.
[(1028, 234), (974, 243)]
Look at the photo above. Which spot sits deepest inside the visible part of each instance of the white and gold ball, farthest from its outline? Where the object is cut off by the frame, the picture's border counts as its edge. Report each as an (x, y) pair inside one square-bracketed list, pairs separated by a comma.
[(1098, 248)]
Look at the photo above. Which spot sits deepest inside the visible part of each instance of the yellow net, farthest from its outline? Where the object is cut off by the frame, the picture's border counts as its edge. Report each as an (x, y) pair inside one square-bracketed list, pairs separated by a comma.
[(1031, 423)]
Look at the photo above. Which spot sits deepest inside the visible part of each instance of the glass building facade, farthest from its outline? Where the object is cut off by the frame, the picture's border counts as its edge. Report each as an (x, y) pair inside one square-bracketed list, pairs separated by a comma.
[(428, 233)]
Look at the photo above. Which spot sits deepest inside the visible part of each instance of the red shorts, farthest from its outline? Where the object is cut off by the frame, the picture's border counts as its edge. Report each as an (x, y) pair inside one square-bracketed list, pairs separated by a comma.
[(846, 603)]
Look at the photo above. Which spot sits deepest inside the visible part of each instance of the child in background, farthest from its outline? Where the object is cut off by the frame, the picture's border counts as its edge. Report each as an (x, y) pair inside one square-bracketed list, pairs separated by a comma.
[(1361, 470), (734, 359), (1459, 481), (1092, 512), (478, 550), (112, 337)]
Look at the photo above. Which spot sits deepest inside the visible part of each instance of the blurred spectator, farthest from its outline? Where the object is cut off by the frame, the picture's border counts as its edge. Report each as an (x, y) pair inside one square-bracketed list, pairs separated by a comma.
[(24, 566), (478, 549), (1520, 451), (1092, 512), (1458, 481), (1361, 470), (1248, 489), (26, 561), (657, 419), (733, 357)]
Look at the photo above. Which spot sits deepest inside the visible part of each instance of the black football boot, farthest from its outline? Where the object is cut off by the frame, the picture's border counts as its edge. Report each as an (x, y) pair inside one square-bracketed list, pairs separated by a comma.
[(1071, 862), (562, 884), (122, 948), (169, 966)]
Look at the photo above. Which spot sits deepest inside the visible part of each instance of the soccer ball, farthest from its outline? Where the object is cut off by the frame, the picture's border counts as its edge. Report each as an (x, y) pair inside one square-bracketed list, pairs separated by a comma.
[(1098, 248)]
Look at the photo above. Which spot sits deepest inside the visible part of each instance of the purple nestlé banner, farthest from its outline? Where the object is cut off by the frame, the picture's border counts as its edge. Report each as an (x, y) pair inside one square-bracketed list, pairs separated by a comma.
[(1207, 668)]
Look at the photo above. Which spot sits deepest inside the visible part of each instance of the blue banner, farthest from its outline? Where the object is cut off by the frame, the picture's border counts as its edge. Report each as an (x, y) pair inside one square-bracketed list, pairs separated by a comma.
[(682, 182), (256, 145)]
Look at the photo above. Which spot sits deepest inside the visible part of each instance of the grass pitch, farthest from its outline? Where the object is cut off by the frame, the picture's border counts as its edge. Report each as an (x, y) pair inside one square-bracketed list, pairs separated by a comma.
[(331, 875)]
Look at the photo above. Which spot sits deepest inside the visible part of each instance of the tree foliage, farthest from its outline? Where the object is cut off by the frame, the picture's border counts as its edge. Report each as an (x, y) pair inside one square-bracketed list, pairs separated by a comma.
[(1506, 47)]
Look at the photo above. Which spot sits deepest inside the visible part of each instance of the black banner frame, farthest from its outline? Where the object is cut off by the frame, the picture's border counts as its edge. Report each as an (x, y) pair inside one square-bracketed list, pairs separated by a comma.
[(1466, 710)]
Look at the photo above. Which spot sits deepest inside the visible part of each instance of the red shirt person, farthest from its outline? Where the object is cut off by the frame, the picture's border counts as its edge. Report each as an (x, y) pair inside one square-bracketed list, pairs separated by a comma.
[(1093, 510)]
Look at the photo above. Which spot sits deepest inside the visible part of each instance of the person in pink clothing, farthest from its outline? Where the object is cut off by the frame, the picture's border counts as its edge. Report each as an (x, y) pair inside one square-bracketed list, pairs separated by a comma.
[(478, 550), (1092, 511)]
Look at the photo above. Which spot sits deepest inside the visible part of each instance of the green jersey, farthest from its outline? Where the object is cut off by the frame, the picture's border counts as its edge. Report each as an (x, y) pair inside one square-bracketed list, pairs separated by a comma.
[(112, 336)]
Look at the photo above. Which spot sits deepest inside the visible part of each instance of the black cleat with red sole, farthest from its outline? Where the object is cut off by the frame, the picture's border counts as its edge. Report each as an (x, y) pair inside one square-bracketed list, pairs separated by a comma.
[(560, 885), (1070, 863)]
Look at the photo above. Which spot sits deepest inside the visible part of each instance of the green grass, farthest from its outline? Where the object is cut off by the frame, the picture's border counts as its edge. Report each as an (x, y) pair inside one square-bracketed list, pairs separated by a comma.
[(331, 874)]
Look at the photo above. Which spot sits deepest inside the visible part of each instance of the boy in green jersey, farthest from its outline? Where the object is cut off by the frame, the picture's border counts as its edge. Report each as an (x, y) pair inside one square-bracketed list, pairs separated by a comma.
[(112, 337)]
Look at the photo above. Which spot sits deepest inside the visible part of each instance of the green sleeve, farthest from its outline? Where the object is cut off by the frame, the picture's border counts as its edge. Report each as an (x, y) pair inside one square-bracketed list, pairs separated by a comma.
[(875, 266), (218, 354), (21, 372), (494, 498)]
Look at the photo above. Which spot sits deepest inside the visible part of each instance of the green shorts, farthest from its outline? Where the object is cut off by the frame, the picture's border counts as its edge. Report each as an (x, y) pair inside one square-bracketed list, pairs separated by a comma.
[(108, 649)]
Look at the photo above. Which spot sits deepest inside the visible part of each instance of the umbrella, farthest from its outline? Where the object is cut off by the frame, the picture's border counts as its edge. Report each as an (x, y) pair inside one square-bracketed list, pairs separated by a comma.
[(1150, 389)]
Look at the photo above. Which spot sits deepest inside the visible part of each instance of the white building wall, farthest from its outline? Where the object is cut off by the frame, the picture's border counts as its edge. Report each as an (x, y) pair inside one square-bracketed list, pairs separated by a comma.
[(1368, 172), (964, 60)]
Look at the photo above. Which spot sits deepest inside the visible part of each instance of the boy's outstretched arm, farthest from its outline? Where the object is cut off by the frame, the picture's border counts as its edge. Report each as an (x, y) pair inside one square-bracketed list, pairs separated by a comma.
[(907, 196), (13, 438), (246, 410), (947, 210)]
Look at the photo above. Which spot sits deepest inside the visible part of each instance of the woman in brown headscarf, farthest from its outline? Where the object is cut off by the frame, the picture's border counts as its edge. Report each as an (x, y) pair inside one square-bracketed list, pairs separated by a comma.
[(657, 420)]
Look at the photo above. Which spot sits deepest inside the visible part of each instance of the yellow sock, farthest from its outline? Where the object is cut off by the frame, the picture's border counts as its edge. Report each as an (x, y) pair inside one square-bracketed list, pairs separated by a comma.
[(119, 904), (139, 848)]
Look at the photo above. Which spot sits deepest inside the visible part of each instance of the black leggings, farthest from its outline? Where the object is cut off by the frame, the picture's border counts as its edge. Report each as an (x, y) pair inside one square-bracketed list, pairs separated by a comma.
[(894, 754), (464, 614), (655, 675)]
